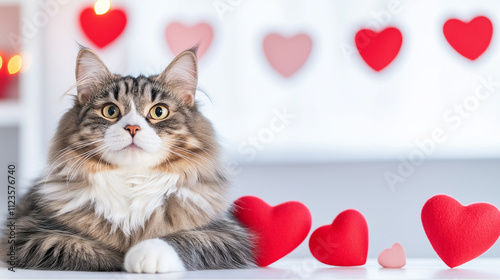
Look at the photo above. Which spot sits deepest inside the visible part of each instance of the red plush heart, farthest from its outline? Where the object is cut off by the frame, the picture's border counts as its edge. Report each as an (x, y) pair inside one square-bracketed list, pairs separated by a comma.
[(181, 37), (278, 230), (460, 233), (344, 242), (103, 29), (378, 49), (469, 39)]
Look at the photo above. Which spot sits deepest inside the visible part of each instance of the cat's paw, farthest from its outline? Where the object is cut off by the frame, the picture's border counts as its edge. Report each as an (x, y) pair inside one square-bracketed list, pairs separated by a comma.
[(152, 256)]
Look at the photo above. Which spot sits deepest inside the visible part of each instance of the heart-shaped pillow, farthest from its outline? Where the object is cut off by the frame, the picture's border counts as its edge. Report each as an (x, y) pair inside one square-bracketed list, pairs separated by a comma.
[(344, 242), (278, 230), (460, 233)]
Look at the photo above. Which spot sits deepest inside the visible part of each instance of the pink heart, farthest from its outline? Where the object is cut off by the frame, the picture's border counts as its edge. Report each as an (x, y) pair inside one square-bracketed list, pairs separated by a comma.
[(181, 37), (287, 55), (393, 258)]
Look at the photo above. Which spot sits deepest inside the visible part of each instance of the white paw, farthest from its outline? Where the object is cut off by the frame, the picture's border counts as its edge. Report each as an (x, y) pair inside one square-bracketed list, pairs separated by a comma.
[(152, 256)]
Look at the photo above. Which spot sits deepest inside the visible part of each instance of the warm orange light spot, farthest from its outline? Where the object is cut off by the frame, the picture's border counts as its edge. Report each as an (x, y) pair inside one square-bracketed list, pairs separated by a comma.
[(102, 6), (1, 62), (15, 64)]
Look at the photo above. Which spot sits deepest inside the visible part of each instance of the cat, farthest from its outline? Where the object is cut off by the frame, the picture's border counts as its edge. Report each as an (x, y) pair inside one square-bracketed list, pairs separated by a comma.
[(135, 181)]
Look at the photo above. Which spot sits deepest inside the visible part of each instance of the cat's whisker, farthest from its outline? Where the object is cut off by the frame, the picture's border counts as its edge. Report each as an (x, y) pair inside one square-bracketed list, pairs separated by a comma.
[(206, 152), (73, 148), (205, 159), (198, 146), (70, 149), (99, 163), (190, 161), (169, 164), (183, 157), (76, 146), (77, 157), (191, 152), (74, 169), (57, 163), (205, 149), (89, 155)]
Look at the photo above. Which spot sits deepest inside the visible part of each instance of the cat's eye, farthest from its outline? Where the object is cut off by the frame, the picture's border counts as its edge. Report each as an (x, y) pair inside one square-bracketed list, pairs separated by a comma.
[(110, 111), (158, 112)]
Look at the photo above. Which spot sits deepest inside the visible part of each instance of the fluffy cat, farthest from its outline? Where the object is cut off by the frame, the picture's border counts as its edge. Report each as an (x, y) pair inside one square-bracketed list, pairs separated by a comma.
[(134, 182)]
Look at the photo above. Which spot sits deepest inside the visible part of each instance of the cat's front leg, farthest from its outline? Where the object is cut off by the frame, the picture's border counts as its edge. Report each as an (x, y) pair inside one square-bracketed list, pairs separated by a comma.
[(223, 244), (153, 256), (58, 250)]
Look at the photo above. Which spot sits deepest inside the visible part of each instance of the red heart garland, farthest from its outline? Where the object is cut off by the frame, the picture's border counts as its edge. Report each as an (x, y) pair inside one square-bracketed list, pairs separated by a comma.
[(460, 233), (344, 242), (103, 29), (469, 39), (378, 49), (278, 230)]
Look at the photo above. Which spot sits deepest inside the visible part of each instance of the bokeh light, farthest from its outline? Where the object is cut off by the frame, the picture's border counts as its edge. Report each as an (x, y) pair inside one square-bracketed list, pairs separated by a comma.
[(102, 6), (15, 64)]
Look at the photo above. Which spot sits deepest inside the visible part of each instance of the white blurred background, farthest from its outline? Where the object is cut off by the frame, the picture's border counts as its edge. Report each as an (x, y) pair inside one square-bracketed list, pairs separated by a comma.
[(299, 113)]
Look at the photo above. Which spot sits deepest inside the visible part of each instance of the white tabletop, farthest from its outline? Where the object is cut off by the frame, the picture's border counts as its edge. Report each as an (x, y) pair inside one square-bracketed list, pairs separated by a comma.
[(290, 268)]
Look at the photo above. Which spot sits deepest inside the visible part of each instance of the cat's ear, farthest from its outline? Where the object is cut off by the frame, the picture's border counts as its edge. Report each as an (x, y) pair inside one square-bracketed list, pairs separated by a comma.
[(90, 73), (181, 76)]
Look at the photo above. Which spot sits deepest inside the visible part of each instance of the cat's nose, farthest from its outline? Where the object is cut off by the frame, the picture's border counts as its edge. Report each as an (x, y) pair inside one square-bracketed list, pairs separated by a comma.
[(132, 129)]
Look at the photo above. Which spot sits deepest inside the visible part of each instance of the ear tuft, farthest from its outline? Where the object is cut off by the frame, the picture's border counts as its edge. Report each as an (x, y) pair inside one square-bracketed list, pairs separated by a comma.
[(181, 76), (90, 73), (194, 49)]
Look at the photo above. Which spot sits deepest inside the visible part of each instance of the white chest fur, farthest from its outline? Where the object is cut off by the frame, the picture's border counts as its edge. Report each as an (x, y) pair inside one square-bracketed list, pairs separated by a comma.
[(125, 200)]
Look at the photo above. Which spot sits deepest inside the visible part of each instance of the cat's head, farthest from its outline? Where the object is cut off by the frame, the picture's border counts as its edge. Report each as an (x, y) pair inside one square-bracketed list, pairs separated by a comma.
[(134, 122)]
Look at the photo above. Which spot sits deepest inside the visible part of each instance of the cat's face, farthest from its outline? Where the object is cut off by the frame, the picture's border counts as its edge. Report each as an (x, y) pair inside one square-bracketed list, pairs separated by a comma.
[(136, 122)]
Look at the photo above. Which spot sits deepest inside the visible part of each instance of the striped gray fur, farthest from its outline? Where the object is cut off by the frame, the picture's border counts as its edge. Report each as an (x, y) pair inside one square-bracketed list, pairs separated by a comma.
[(223, 244)]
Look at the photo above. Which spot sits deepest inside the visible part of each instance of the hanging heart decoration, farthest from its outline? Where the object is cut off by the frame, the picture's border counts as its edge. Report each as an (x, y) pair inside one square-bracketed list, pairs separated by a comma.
[(102, 29), (287, 54), (181, 37), (470, 39)]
